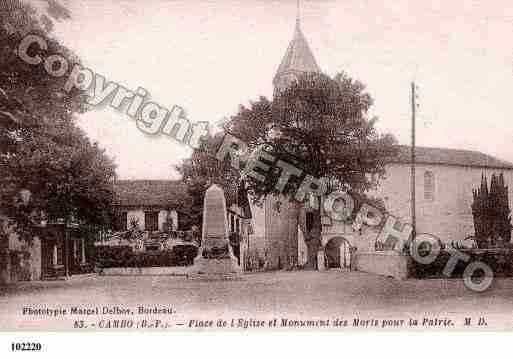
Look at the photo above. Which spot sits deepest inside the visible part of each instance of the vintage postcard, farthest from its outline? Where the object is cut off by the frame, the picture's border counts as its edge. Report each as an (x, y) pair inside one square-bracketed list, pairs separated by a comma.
[(200, 165)]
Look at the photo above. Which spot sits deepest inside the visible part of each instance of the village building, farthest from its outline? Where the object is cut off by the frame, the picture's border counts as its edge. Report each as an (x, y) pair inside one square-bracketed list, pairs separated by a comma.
[(153, 206), (58, 250), (271, 236), (149, 205), (240, 226), (61, 250), (444, 178)]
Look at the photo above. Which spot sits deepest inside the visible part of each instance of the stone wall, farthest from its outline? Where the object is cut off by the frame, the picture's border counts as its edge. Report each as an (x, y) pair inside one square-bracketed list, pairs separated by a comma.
[(363, 241), (281, 232), (256, 241), (35, 255), (25, 267), (448, 214), (383, 263)]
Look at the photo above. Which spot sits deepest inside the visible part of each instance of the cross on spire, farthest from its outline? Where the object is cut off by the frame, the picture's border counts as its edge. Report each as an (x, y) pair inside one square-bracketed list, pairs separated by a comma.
[(298, 11)]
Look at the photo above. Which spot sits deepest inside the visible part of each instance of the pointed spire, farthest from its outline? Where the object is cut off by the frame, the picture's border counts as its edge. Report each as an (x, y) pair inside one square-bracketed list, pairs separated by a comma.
[(297, 13), (298, 57)]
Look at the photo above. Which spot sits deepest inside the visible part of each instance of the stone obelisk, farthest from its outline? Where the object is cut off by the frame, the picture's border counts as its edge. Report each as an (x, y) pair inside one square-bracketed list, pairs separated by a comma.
[(215, 257)]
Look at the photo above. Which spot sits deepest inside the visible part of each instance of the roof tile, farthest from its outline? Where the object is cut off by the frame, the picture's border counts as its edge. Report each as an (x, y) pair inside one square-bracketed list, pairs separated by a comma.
[(160, 193), (298, 57), (450, 157)]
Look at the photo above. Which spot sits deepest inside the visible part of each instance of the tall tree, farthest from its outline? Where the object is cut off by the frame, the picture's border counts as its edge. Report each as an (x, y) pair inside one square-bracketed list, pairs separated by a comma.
[(47, 164), (200, 171), (321, 125), (491, 212)]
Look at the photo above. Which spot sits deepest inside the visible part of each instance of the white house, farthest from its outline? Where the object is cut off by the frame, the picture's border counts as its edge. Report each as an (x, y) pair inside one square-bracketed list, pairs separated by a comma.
[(151, 204)]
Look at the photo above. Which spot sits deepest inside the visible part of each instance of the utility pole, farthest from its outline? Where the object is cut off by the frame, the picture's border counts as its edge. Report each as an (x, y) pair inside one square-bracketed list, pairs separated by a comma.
[(413, 110)]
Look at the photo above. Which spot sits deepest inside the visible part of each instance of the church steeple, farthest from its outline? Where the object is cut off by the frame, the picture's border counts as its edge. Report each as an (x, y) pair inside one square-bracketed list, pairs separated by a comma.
[(297, 13), (298, 59)]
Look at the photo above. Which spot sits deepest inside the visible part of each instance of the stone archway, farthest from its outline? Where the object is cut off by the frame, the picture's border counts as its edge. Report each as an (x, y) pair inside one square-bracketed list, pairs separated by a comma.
[(337, 253)]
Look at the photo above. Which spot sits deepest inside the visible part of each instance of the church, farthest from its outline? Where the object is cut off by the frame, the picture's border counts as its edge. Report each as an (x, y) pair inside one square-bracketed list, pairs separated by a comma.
[(444, 183)]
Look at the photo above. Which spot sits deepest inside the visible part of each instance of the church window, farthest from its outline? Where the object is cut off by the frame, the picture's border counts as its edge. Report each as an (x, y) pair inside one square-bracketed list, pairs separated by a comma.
[(429, 186)]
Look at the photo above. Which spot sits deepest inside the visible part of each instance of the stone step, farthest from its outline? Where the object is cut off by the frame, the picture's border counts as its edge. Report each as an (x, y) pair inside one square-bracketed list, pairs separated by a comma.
[(215, 276)]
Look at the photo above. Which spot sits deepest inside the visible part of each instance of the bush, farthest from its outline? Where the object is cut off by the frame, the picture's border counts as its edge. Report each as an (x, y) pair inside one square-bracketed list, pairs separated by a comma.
[(124, 257), (109, 256), (185, 254), (499, 260)]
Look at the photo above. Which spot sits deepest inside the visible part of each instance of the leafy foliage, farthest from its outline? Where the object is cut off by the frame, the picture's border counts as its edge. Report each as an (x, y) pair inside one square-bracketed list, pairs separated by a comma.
[(47, 164), (491, 212), (500, 262), (124, 257), (199, 173), (320, 125)]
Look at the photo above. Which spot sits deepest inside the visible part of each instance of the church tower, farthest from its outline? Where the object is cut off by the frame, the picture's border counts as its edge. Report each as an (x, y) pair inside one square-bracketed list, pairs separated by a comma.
[(282, 216), (298, 60)]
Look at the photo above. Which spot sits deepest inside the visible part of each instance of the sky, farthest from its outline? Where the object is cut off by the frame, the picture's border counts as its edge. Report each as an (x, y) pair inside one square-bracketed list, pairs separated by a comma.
[(210, 56)]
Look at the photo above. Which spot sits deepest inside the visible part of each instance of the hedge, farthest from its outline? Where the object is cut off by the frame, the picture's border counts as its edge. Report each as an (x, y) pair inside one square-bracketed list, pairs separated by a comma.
[(499, 260), (124, 257)]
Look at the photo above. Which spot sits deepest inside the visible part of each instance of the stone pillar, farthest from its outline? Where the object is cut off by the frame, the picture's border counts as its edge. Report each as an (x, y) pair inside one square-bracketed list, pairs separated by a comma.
[(55, 259), (242, 252), (83, 251), (292, 239), (342, 253), (215, 256), (66, 238), (75, 250), (320, 260), (352, 256), (36, 258)]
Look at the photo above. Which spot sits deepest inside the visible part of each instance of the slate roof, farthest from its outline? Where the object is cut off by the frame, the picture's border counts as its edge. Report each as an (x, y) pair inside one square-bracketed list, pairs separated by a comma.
[(165, 194), (299, 56), (158, 193), (450, 157)]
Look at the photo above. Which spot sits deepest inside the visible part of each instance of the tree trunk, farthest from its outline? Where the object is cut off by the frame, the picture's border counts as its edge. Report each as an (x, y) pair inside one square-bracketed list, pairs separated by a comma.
[(312, 237), (312, 246)]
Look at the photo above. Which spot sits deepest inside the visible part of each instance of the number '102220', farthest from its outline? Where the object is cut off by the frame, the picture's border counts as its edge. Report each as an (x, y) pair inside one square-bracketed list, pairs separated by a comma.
[(21, 347)]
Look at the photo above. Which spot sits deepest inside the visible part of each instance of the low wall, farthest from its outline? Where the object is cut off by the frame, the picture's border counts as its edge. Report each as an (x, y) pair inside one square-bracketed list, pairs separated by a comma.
[(500, 261), (169, 271), (384, 263)]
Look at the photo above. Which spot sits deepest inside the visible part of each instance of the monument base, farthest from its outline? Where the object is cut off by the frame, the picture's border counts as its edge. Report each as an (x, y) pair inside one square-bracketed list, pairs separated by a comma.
[(215, 259), (215, 269)]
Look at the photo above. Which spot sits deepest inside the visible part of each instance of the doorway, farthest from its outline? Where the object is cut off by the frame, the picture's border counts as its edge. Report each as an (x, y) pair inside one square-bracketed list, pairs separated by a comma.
[(337, 253)]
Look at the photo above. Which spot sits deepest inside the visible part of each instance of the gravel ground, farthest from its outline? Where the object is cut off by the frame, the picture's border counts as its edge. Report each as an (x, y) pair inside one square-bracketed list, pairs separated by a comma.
[(293, 295)]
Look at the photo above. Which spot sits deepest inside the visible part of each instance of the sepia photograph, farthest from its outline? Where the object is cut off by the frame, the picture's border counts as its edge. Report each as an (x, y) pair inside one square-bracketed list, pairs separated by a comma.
[(255, 166)]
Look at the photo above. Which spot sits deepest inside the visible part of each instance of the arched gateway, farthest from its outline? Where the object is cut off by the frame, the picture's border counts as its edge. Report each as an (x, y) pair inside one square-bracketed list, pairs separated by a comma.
[(337, 253)]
